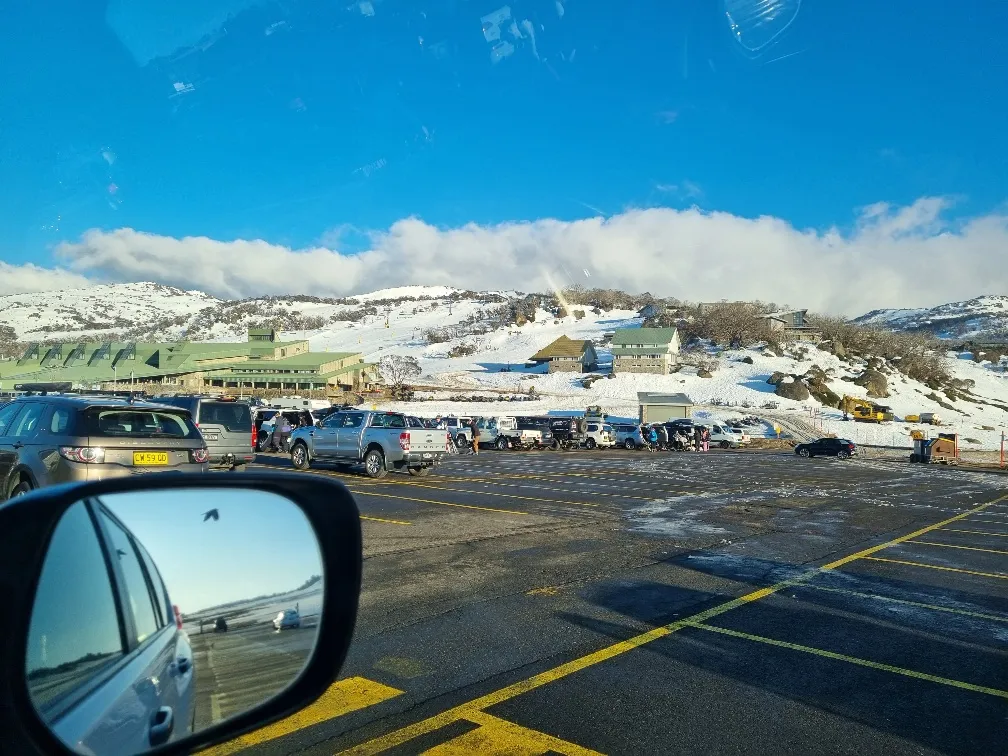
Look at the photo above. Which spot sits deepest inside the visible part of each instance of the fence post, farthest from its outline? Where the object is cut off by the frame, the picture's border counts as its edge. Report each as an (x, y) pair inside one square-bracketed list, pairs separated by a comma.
[(1002, 448)]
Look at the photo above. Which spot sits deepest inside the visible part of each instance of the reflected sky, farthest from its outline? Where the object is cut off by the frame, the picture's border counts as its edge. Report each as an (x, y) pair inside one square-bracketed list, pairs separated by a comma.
[(259, 544)]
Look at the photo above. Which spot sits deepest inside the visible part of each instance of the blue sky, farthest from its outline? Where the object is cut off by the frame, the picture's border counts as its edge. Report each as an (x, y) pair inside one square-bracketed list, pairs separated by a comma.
[(261, 543), (303, 123)]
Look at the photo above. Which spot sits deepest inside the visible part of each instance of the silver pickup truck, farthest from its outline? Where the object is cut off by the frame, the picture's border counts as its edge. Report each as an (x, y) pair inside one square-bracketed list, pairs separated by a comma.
[(381, 441)]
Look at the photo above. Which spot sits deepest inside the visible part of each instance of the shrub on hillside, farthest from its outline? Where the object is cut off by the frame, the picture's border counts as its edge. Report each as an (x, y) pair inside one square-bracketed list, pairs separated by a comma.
[(462, 350)]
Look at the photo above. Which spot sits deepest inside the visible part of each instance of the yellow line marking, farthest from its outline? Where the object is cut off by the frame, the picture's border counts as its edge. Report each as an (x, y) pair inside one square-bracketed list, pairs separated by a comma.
[(922, 605), (498, 736), (548, 590), (442, 503), (936, 567), (504, 495), (957, 546), (342, 697), (979, 532), (464, 710), (854, 660), (382, 519)]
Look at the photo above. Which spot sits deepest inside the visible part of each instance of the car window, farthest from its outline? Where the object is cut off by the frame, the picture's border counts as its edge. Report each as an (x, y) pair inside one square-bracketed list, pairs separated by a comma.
[(28, 422), (74, 629), (592, 427), (7, 415), (353, 420), (396, 421), (335, 420), (232, 415), (161, 602), (137, 423), (59, 423), (140, 601)]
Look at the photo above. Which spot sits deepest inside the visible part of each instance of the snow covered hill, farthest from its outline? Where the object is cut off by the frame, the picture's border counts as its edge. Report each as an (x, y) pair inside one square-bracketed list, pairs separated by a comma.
[(979, 318), (464, 353)]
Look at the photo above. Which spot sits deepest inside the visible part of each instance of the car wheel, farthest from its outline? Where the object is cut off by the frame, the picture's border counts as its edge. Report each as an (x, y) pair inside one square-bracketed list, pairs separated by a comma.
[(374, 464), (502, 443), (843, 454), (914, 458), (299, 456), (725, 445), (419, 471), (20, 489), (804, 453), (629, 444), (555, 446), (590, 443)]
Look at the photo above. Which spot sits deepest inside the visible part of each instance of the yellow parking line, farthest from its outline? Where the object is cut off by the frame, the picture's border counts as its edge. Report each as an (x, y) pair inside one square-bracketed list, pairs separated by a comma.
[(456, 713), (442, 503), (979, 532), (920, 604), (853, 660), (957, 546), (936, 567), (382, 519), (342, 697)]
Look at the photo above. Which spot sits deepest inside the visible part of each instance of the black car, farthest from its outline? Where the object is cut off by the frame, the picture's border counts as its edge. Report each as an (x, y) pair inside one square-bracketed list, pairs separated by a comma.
[(220, 626), (827, 447)]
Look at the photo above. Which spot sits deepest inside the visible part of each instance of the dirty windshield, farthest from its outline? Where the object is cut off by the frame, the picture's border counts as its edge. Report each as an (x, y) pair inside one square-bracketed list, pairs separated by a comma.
[(669, 340)]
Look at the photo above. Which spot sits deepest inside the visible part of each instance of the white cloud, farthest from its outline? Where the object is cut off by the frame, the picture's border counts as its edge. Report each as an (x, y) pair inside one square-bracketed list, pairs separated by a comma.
[(20, 279), (893, 257)]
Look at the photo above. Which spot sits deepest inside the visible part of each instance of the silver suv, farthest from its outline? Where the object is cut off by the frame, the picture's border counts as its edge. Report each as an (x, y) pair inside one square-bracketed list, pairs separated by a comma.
[(52, 439), (226, 425)]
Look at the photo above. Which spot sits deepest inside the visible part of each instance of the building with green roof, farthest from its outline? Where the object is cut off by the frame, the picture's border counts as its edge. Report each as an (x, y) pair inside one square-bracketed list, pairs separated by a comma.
[(261, 363), (645, 350)]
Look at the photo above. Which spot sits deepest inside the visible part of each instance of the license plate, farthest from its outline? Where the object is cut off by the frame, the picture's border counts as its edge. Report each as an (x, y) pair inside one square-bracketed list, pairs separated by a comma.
[(210, 436), (427, 455), (150, 458)]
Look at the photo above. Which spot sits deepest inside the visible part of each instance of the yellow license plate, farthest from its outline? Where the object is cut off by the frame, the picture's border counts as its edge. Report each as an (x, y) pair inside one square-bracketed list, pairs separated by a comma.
[(150, 458)]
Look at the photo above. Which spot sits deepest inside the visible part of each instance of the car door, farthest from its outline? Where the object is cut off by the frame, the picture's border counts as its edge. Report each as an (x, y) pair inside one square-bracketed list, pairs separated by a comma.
[(325, 437), (145, 707), (350, 432), (8, 454)]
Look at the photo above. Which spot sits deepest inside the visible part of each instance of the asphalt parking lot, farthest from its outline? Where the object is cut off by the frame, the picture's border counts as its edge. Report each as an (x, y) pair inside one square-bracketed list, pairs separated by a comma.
[(618, 602)]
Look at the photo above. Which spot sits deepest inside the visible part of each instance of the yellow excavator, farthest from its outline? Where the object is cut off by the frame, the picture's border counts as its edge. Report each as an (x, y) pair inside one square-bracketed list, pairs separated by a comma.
[(864, 411)]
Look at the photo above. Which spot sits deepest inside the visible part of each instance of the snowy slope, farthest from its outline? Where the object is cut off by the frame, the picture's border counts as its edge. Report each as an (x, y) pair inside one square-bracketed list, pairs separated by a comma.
[(496, 366), (74, 313), (980, 317)]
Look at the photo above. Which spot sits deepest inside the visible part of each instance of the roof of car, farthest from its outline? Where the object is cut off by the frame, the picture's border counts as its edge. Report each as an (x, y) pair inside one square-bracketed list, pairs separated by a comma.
[(84, 401)]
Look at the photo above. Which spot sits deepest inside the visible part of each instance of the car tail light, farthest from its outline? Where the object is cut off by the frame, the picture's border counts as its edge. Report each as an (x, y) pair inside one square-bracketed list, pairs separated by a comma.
[(86, 454), (404, 440), (254, 433), (178, 616), (199, 456)]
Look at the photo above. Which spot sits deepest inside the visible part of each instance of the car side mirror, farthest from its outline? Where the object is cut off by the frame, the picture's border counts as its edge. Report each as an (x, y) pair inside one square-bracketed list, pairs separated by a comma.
[(133, 604)]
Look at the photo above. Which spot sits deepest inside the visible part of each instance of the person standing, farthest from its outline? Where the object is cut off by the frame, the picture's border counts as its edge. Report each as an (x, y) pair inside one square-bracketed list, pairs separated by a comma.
[(706, 438), (697, 438), (474, 427)]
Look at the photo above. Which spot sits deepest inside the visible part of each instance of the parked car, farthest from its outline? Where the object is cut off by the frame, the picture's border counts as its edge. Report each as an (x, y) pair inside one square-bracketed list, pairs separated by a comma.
[(629, 436), (827, 447), (459, 429), (379, 440), (49, 439), (599, 435), (265, 437), (743, 437), (103, 632), (288, 618), (220, 625), (722, 435), (529, 433), (226, 425)]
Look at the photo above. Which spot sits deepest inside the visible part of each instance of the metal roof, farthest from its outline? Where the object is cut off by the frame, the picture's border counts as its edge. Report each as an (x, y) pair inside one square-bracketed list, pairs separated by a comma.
[(679, 400), (563, 347), (631, 337)]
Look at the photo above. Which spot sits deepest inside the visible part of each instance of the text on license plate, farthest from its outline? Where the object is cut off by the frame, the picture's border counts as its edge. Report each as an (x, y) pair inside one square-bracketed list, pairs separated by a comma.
[(210, 436), (150, 458), (427, 455)]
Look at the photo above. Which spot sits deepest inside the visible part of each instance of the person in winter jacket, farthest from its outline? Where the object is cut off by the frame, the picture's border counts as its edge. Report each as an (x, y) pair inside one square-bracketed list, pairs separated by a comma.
[(663, 437), (474, 427), (652, 437)]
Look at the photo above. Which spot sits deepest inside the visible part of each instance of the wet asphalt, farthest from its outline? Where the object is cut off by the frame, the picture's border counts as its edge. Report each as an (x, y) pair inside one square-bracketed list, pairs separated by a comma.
[(618, 602)]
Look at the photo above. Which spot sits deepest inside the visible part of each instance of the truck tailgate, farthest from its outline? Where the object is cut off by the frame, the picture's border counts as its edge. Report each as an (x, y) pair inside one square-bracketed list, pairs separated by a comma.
[(426, 440)]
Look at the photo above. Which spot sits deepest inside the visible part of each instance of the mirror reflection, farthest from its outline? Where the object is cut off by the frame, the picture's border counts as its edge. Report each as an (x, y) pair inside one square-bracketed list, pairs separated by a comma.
[(161, 613)]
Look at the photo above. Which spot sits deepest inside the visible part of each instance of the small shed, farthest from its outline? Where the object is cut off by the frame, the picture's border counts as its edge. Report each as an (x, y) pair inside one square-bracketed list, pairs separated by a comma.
[(567, 355), (658, 408)]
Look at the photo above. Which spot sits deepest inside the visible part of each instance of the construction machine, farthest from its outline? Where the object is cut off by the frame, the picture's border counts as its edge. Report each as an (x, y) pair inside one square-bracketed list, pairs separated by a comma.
[(924, 418), (944, 449), (865, 411)]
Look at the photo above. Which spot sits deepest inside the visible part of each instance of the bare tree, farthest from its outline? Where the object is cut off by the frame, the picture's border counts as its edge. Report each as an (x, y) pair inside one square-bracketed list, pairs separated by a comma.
[(397, 370), (9, 346)]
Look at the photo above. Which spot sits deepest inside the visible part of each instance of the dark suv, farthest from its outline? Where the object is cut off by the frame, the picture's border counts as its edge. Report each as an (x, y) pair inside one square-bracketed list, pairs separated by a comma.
[(226, 425), (828, 447), (60, 438)]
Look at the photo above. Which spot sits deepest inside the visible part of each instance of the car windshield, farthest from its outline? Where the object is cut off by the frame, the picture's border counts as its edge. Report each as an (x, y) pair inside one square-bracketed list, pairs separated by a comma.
[(625, 218)]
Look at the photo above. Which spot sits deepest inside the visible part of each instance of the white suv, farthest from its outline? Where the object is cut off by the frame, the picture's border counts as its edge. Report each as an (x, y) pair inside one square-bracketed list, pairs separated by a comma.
[(288, 618), (599, 434)]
